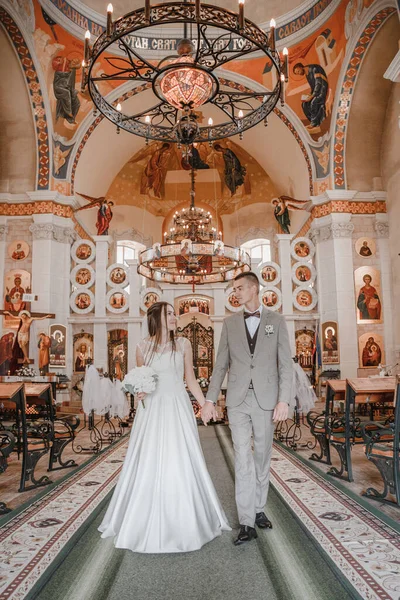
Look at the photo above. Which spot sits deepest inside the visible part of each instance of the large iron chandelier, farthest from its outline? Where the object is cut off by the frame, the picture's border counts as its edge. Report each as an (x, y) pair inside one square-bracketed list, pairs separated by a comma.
[(192, 251), (187, 80)]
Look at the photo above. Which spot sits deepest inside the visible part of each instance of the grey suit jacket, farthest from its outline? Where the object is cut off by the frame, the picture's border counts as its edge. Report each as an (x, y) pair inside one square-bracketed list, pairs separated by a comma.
[(270, 369)]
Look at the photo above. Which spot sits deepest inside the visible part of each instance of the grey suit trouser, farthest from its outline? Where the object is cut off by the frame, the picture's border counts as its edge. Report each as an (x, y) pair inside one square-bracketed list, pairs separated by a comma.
[(251, 470)]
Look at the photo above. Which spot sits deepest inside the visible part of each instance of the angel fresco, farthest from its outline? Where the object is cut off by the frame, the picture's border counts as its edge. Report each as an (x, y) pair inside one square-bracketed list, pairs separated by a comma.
[(281, 210), (104, 213)]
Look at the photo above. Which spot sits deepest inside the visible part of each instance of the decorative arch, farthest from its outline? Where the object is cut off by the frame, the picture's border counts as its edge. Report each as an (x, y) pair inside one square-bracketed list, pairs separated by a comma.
[(346, 93), (39, 111), (229, 83)]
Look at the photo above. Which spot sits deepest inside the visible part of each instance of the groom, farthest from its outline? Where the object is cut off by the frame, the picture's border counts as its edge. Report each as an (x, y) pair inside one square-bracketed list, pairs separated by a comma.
[(255, 348)]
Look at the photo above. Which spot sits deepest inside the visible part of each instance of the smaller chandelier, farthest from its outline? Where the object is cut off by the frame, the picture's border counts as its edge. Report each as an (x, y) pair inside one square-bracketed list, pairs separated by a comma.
[(193, 251)]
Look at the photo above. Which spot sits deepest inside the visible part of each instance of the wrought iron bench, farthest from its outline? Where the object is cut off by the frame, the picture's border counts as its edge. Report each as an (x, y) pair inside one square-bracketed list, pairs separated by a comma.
[(7, 443), (346, 431), (382, 447), (321, 424)]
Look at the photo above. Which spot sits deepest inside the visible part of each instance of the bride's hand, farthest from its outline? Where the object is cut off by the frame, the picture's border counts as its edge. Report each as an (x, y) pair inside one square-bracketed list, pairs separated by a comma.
[(141, 396), (208, 412)]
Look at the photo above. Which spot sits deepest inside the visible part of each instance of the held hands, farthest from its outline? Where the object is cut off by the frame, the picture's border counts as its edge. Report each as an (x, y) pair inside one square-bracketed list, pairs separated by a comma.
[(280, 412), (208, 412)]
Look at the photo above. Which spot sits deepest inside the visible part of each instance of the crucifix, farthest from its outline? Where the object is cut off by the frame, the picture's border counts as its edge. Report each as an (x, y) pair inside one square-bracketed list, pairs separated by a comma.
[(26, 319)]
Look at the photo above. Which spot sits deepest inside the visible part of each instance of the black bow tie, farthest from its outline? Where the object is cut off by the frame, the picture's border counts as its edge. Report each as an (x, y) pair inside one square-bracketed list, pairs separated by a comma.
[(254, 314)]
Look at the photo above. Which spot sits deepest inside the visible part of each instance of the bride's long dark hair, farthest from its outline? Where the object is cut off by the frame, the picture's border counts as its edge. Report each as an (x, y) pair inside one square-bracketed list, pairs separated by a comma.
[(154, 325)]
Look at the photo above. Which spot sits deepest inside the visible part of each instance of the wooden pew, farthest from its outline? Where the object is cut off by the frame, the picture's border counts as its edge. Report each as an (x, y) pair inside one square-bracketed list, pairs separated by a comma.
[(382, 447), (346, 431), (34, 437)]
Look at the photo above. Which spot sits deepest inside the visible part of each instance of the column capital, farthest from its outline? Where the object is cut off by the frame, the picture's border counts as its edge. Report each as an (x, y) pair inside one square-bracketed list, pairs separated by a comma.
[(382, 229), (49, 231), (284, 237), (337, 229), (103, 238)]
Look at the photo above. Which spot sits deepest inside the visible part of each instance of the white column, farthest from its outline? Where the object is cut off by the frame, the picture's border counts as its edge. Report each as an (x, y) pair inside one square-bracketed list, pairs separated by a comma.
[(382, 233), (52, 237), (3, 249), (100, 346), (102, 245), (134, 328), (333, 236), (283, 241), (219, 314)]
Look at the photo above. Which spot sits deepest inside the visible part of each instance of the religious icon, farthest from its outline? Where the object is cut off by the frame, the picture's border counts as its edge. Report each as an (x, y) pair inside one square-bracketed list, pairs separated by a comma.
[(314, 103), (104, 212), (365, 247), (150, 299), (82, 301), (303, 273), (117, 300), (118, 361), (304, 339), (25, 322), (368, 294), (17, 283), (371, 350), (219, 248), (202, 352), (18, 250), (58, 351), (186, 247), (6, 351), (83, 276), (269, 274), (118, 275), (235, 172), (64, 79), (330, 347), (44, 344), (233, 301), (269, 298), (304, 298), (157, 250), (83, 251), (302, 249), (203, 372), (190, 305), (82, 354)]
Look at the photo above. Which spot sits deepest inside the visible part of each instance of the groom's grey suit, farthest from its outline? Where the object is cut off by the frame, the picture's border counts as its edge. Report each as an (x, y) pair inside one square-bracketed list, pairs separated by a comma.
[(260, 375)]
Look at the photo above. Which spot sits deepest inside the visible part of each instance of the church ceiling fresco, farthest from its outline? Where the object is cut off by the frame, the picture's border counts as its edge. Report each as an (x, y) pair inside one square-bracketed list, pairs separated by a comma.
[(315, 64), (158, 178)]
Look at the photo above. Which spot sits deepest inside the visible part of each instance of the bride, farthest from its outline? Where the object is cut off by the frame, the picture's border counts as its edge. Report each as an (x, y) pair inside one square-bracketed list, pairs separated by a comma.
[(165, 500)]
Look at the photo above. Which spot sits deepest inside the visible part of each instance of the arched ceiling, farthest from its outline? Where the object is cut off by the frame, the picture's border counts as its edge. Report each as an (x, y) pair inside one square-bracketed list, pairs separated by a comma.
[(257, 11), (17, 134), (368, 109)]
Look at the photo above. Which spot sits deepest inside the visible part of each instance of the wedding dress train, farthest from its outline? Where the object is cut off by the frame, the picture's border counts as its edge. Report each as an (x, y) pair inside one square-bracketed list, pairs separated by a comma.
[(164, 500)]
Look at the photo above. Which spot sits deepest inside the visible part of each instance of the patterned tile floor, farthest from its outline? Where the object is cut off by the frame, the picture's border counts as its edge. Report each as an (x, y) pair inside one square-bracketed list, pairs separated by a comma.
[(362, 546)]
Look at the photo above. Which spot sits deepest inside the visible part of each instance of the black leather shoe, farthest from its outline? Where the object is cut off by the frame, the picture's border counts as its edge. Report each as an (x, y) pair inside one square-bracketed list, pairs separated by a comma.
[(246, 534), (262, 521)]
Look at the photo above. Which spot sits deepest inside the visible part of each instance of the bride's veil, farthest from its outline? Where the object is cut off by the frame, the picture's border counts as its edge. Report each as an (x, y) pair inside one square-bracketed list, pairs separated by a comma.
[(91, 389)]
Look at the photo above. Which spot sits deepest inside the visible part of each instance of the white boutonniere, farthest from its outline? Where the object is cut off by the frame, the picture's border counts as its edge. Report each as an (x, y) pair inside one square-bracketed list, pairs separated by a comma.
[(269, 330)]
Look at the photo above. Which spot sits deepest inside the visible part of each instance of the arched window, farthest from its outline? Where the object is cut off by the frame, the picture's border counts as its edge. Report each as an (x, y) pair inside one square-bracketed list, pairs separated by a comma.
[(259, 250), (128, 250)]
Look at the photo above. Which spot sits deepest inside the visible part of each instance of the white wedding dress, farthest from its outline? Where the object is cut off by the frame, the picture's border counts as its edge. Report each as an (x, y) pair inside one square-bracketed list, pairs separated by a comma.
[(164, 500)]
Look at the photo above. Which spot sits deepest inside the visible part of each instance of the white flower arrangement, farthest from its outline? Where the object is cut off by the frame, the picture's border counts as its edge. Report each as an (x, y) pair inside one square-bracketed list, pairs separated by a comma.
[(140, 379), (269, 330), (202, 381), (26, 372)]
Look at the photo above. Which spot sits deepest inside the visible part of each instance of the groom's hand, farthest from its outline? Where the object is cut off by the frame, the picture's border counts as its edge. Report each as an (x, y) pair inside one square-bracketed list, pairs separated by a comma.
[(208, 412), (280, 412)]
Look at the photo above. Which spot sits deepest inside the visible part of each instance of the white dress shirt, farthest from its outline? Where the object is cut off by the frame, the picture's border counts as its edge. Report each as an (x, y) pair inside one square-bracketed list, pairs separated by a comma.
[(253, 322)]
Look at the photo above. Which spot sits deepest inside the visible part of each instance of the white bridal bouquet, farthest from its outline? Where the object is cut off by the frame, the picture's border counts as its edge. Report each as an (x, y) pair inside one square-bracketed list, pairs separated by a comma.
[(140, 379)]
